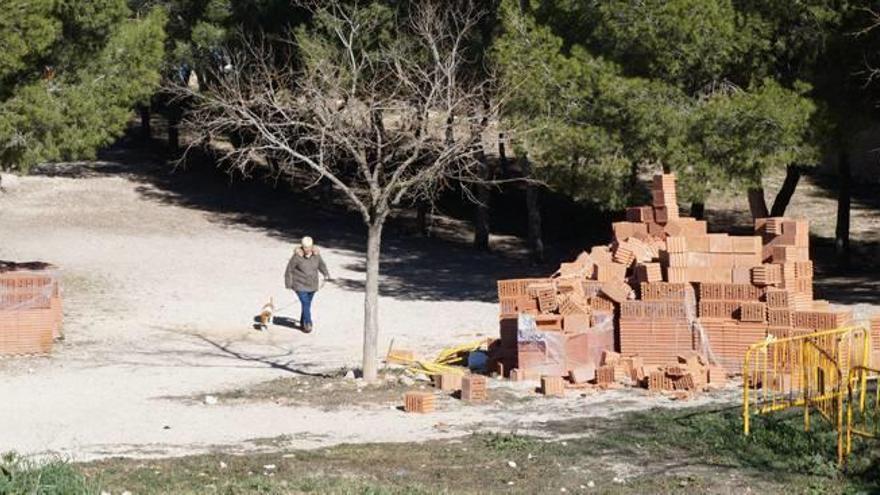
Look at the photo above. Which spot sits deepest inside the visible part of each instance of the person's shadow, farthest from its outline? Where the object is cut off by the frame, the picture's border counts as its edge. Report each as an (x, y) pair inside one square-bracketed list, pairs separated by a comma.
[(286, 321)]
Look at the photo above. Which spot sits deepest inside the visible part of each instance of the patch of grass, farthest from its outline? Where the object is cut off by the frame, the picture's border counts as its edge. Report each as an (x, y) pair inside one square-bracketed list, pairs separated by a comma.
[(778, 448), (695, 450), (504, 443), (23, 476)]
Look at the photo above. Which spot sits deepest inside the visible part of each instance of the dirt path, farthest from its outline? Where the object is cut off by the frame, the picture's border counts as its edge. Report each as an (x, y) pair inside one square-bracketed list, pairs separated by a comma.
[(161, 286), (159, 299)]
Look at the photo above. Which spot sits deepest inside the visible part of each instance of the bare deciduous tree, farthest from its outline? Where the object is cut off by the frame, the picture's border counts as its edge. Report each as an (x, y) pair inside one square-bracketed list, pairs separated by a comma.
[(368, 105)]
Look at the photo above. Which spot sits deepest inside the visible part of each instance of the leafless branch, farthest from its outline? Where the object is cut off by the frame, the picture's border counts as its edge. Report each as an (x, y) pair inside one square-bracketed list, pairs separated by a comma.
[(368, 115)]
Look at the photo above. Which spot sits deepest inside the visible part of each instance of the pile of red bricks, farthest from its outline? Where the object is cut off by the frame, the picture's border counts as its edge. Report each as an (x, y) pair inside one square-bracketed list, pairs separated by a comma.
[(669, 290), (572, 316), (30, 308)]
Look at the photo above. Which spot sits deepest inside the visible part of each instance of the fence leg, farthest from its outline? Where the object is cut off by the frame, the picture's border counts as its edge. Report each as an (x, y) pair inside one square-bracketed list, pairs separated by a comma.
[(746, 394), (805, 387), (841, 404)]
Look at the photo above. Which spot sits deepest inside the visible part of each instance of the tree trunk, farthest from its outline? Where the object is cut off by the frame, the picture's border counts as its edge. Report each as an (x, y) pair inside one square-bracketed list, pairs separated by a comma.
[(502, 156), (146, 129), (536, 243), (481, 217), (423, 220), (371, 304), (698, 210), (173, 134), (175, 114), (841, 234), (783, 197), (633, 177), (757, 204)]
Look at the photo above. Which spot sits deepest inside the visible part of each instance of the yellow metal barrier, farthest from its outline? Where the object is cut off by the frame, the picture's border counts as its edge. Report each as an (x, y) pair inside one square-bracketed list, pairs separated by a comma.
[(803, 370), (863, 411)]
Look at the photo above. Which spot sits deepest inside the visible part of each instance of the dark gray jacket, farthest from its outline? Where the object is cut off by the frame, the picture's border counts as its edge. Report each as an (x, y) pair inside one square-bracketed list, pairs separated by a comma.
[(302, 273)]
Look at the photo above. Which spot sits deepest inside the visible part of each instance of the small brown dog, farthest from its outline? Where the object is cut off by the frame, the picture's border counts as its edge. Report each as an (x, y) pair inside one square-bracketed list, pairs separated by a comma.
[(266, 314)]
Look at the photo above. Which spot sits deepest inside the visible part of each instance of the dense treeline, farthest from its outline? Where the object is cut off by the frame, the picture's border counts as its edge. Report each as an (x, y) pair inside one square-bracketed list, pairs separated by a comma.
[(594, 93), (720, 91)]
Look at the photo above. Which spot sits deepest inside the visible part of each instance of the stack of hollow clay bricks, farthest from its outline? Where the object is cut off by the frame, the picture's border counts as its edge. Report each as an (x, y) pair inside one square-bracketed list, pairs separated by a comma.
[(30, 308), (574, 321), (669, 288), (875, 340)]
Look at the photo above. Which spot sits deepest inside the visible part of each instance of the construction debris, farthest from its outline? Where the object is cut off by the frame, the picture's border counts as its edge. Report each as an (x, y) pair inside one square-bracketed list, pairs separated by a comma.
[(400, 356), (680, 305)]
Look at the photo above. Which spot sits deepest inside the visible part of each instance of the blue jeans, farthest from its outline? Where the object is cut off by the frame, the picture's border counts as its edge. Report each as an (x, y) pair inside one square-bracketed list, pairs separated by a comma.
[(305, 299)]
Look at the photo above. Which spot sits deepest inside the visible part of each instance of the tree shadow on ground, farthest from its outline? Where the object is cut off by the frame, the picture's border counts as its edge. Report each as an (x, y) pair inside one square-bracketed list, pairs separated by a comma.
[(443, 267), (278, 361), (863, 194), (413, 268), (204, 351)]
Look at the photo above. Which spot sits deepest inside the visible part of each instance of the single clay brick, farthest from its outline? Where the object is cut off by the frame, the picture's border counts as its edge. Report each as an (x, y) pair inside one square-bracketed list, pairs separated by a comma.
[(605, 375), (576, 323), (582, 374), (418, 402), (547, 300), (717, 376), (617, 291), (676, 244), (641, 214), (448, 382), (610, 358), (553, 386), (474, 388), (516, 375), (684, 382)]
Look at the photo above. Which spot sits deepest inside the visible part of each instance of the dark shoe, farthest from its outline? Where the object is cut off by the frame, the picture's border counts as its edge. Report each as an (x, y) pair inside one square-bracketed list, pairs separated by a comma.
[(307, 328)]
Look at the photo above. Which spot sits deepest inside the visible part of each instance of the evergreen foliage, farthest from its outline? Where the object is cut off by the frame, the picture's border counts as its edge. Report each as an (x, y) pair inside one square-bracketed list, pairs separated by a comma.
[(72, 76), (610, 89)]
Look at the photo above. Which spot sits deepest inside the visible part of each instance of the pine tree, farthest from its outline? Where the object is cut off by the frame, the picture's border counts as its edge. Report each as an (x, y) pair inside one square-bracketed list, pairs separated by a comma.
[(72, 75), (691, 85)]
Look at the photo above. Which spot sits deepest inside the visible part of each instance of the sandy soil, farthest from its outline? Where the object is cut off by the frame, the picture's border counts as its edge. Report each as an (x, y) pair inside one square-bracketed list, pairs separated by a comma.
[(159, 301), (162, 280)]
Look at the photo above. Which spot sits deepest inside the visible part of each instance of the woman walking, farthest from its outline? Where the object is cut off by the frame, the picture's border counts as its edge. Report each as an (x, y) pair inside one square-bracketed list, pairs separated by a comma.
[(302, 276)]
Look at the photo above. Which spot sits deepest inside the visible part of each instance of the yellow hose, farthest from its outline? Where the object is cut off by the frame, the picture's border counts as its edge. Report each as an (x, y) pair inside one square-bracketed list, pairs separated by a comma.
[(443, 363)]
